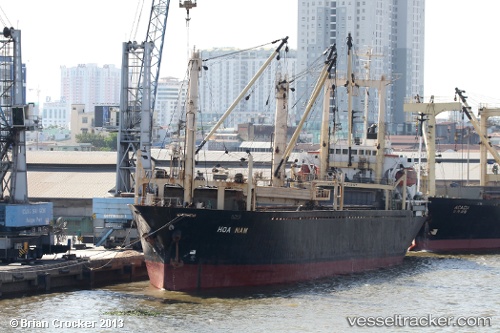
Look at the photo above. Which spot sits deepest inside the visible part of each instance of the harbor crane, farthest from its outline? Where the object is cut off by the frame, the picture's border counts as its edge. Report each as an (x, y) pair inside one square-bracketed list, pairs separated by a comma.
[(24, 226), (141, 64)]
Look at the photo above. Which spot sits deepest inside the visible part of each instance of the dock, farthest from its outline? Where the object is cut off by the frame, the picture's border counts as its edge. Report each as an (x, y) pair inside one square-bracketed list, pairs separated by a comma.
[(75, 270)]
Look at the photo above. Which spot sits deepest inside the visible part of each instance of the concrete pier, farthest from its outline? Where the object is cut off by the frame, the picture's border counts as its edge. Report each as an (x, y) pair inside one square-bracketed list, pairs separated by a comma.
[(78, 269)]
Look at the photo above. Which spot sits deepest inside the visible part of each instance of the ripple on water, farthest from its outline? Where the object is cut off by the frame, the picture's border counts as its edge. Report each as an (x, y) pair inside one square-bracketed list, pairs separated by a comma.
[(425, 284)]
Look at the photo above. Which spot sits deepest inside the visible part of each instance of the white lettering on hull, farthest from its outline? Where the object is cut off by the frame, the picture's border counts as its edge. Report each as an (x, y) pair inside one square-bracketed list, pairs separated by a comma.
[(224, 229), (459, 209), (227, 230)]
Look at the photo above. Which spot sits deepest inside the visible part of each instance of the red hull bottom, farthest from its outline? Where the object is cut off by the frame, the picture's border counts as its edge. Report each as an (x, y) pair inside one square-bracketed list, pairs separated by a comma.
[(458, 245), (189, 277)]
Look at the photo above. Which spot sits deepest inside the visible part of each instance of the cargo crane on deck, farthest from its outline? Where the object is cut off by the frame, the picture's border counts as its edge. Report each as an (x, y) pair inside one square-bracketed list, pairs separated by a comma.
[(24, 226)]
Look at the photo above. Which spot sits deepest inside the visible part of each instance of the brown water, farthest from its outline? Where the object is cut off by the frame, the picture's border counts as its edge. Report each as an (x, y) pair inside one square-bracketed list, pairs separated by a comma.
[(425, 288)]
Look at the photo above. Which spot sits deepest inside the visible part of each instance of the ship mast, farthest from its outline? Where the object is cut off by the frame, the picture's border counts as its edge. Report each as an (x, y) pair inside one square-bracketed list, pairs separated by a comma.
[(281, 129), (324, 155), (485, 113), (331, 59), (325, 132), (349, 84), (191, 112), (431, 110), (483, 136), (380, 85)]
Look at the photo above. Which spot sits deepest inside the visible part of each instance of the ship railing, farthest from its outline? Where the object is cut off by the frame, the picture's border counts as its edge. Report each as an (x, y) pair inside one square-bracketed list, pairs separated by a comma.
[(171, 201), (322, 194), (396, 204), (154, 200)]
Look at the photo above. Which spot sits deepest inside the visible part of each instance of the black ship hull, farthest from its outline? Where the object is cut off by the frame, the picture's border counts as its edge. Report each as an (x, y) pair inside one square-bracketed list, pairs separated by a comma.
[(190, 248), (458, 225)]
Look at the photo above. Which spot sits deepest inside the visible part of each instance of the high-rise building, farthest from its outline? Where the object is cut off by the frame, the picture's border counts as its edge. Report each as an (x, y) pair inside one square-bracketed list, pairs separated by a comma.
[(228, 72), (90, 85), (388, 42), (170, 96), (169, 107)]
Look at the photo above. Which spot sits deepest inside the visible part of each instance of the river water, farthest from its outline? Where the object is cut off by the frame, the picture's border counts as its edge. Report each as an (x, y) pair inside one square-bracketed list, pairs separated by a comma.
[(427, 293)]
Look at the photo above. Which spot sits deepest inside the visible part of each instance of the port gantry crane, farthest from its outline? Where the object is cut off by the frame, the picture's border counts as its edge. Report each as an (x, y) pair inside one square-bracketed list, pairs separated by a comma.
[(23, 224), (139, 79), (12, 121)]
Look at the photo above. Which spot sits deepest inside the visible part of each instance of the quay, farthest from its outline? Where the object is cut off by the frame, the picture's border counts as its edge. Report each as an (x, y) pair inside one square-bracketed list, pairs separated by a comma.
[(74, 270)]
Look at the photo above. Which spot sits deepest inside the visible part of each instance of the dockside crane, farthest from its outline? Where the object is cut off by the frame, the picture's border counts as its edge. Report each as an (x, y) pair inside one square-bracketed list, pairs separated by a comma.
[(14, 121), (141, 64), (24, 226)]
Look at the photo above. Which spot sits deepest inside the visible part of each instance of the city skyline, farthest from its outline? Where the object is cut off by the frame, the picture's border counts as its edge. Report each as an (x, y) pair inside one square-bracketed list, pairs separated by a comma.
[(458, 52), (387, 43)]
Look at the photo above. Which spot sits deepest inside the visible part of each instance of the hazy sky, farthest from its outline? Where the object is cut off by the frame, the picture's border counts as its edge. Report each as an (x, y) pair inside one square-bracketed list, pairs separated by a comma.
[(461, 45)]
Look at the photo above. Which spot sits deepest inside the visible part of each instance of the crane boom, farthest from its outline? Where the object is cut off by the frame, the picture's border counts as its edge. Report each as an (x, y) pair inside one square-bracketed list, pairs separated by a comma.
[(329, 63), (156, 34), (475, 123), (242, 93)]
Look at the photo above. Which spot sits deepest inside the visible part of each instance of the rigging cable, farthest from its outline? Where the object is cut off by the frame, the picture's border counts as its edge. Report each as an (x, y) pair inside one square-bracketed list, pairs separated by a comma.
[(176, 110), (8, 24), (237, 52), (137, 19), (188, 5)]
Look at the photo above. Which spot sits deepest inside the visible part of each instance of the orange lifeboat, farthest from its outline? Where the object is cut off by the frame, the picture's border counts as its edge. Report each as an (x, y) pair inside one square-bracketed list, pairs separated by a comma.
[(411, 176), (308, 172)]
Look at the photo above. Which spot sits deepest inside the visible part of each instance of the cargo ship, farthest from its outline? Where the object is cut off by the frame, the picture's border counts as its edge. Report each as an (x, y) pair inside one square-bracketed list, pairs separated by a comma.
[(461, 225), (462, 218), (336, 213)]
